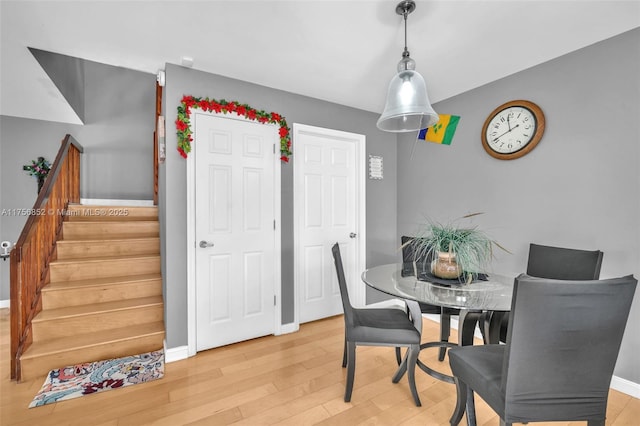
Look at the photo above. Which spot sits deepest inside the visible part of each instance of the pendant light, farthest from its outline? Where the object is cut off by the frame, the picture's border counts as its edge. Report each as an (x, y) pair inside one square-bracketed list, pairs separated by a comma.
[(408, 107)]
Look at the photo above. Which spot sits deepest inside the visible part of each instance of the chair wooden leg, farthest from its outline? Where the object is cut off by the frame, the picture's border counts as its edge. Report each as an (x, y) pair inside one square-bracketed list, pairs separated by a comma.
[(344, 353), (445, 331), (351, 369), (461, 401)]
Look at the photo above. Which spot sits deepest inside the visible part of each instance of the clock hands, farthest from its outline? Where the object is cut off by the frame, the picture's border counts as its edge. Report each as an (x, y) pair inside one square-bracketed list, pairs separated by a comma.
[(523, 121), (508, 131)]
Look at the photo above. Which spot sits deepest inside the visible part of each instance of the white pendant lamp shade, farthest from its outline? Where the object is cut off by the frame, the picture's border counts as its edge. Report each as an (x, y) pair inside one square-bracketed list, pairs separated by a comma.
[(407, 108)]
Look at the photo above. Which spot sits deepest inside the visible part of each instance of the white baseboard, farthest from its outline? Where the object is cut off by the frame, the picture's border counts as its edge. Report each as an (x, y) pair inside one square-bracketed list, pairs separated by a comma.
[(626, 386), (182, 352), (292, 327), (103, 202), (4, 303), (175, 354)]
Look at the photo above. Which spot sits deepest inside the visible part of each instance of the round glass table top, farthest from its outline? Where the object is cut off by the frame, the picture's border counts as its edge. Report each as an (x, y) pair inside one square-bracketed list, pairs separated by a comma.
[(491, 295)]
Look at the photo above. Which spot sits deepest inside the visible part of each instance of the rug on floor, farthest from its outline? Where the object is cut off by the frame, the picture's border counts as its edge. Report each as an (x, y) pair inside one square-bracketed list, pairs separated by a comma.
[(84, 379)]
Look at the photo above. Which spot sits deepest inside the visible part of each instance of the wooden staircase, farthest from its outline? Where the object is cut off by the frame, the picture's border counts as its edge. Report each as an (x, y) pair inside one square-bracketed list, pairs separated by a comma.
[(104, 296)]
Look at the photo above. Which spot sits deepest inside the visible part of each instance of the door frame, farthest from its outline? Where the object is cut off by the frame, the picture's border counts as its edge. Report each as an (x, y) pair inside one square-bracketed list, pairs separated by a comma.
[(357, 289), (191, 231)]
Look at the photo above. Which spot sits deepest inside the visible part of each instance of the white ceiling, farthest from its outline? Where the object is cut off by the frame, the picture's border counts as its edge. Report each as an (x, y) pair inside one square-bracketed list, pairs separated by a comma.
[(340, 51)]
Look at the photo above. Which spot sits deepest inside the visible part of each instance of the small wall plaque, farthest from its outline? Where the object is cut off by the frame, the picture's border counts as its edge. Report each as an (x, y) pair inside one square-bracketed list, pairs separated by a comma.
[(375, 167)]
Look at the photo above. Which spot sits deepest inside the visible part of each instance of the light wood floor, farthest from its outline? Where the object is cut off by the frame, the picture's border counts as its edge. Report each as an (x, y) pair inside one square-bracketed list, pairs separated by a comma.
[(295, 379)]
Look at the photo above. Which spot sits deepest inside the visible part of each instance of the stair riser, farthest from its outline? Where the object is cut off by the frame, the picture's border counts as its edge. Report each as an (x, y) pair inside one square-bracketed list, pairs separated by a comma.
[(81, 249), (108, 268), (115, 272), (110, 213), (108, 293), (92, 230), (40, 366), (95, 323)]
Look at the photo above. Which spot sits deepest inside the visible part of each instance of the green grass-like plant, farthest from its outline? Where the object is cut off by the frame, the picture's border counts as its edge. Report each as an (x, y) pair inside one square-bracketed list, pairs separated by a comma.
[(473, 248)]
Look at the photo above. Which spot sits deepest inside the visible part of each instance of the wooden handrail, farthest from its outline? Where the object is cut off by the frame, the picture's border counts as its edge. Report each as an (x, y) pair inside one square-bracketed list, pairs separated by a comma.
[(156, 142), (35, 248)]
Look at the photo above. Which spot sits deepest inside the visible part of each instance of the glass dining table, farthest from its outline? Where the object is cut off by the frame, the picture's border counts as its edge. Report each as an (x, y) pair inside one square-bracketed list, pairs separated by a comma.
[(486, 299)]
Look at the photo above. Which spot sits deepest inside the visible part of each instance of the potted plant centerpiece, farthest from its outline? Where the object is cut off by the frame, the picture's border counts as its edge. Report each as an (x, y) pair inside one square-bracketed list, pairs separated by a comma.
[(452, 251)]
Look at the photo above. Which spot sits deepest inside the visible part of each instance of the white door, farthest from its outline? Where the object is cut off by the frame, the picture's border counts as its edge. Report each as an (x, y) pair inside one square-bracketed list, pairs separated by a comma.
[(328, 208), (235, 232)]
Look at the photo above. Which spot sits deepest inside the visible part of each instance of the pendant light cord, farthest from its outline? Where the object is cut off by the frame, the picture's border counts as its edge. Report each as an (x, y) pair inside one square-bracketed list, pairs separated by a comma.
[(405, 14)]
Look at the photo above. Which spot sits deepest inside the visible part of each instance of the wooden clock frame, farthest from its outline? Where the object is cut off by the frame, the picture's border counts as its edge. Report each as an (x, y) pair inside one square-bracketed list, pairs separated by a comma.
[(535, 110)]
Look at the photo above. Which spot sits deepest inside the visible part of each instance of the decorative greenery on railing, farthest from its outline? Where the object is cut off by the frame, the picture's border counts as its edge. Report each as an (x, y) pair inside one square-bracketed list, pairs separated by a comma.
[(38, 168), (183, 123)]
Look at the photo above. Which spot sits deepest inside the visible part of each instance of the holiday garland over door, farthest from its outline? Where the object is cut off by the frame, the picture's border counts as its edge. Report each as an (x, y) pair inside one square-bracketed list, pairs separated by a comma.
[(183, 123)]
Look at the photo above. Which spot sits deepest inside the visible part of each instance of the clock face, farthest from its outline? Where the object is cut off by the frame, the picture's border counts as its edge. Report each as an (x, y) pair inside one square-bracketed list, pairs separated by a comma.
[(513, 129)]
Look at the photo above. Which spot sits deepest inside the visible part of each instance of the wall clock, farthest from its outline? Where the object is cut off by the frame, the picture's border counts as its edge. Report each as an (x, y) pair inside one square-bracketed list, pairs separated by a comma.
[(513, 130)]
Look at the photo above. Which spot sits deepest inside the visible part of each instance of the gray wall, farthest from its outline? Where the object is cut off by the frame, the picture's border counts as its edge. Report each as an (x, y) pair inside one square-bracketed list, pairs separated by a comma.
[(67, 73), (580, 187), (117, 137), (381, 222)]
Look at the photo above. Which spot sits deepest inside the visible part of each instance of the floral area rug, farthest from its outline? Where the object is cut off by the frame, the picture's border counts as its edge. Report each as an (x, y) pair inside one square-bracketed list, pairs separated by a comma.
[(84, 379)]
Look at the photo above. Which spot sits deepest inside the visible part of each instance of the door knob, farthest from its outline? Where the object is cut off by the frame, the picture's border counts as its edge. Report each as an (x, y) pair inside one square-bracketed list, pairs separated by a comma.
[(205, 244), (353, 235)]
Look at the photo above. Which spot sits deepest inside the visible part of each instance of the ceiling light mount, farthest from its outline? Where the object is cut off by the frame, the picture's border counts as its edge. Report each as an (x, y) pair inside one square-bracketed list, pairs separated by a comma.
[(407, 107), (404, 8)]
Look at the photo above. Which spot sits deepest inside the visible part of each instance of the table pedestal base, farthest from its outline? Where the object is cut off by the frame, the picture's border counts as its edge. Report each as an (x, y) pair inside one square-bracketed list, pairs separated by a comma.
[(430, 371), (466, 330)]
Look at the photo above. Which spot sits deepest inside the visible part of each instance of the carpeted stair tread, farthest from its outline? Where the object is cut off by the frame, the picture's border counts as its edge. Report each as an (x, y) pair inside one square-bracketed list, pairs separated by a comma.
[(100, 282), (76, 311), (80, 341)]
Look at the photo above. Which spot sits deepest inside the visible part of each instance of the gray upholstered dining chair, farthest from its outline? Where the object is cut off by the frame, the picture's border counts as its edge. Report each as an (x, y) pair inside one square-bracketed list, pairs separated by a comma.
[(554, 367), (378, 327), (561, 264)]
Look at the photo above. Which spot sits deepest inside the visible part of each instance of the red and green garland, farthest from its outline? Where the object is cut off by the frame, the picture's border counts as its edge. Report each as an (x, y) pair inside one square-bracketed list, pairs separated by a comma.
[(183, 124)]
